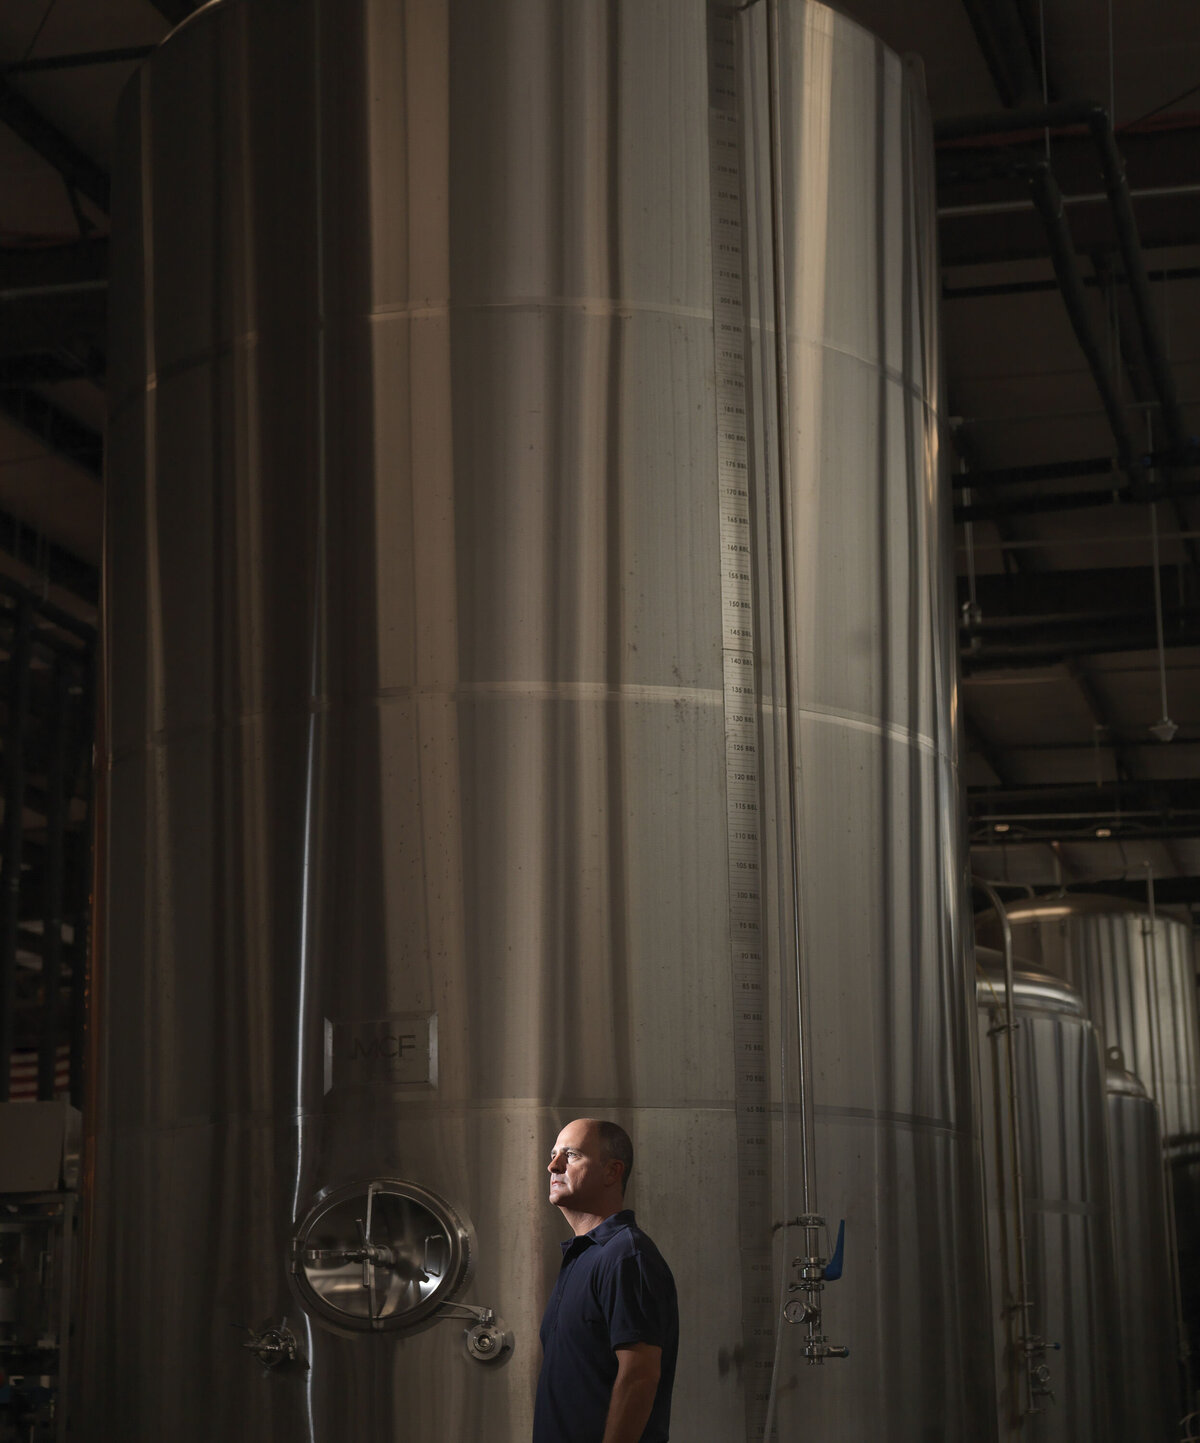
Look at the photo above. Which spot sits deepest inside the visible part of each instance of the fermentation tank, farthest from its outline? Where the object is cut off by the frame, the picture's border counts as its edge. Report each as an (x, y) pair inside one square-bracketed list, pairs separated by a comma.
[(1059, 1367), (530, 664), (1135, 971), (1145, 1285)]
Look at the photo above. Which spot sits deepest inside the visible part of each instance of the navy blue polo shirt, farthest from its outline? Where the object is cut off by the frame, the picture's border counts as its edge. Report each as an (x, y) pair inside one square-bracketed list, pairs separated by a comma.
[(613, 1289)]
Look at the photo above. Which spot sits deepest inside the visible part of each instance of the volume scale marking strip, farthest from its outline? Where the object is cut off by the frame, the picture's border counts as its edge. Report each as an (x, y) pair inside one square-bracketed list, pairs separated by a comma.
[(743, 778)]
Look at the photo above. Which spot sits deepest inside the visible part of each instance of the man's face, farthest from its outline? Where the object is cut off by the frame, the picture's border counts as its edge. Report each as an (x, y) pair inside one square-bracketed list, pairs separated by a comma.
[(581, 1176)]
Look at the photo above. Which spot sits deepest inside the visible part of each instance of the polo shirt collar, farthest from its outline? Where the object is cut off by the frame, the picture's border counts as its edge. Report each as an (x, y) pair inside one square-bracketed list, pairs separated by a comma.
[(601, 1233)]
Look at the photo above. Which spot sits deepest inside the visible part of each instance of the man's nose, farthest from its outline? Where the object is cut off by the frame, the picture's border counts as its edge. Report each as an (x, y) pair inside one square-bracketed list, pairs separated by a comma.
[(556, 1164)]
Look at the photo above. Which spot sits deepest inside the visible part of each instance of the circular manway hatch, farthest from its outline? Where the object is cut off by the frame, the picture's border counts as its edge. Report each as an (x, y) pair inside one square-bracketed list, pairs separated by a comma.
[(379, 1255)]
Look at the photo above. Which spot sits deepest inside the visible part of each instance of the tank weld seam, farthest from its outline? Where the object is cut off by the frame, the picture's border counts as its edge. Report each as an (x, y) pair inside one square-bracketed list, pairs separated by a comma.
[(587, 305), (426, 1104), (903, 379), (911, 1122), (892, 731), (192, 361), (559, 691), (555, 691), (252, 1120), (1066, 1209)]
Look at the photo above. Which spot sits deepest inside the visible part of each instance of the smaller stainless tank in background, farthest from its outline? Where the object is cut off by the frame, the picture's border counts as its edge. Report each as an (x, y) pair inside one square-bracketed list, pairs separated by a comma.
[(1145, 1286), (1135, 972), (1054, 1296)]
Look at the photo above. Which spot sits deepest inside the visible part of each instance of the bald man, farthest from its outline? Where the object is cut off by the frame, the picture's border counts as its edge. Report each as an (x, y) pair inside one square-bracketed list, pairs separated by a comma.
[(611, 1329)]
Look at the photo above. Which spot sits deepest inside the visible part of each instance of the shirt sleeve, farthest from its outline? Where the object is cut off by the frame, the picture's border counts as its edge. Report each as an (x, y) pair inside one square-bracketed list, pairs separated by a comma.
[(636, 1302)]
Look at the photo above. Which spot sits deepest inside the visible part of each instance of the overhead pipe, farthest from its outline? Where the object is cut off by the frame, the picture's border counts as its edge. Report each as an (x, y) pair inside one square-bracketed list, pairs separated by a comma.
[(1096, 120), (1005, 46), (1153, 345), (1049, 202)]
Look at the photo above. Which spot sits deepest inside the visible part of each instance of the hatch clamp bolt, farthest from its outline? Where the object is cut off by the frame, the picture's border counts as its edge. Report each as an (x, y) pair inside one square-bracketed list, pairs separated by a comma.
[(272, 1345)]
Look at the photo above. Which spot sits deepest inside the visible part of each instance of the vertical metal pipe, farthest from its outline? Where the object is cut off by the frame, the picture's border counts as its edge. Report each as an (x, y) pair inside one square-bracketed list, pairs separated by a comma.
[(783, 412), (1158, 1077), (1158, 629), (88, 764), (1014, 1134), (20, 654), (52, 885)]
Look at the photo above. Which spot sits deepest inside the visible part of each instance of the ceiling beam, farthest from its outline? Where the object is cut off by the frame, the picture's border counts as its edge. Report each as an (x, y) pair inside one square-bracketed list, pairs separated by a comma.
[(1040, 503), (176, 11), (981, 654), (995, 290), (1005, 46), (1038, 471), (55, 428), (67, 318), (78, 170), (1123, 757), (983, 747), (1168, 891), (1086, 592), (1159, 469), (55, 563), (36, 269), (49, 369), (76, 60), (1163, 799)]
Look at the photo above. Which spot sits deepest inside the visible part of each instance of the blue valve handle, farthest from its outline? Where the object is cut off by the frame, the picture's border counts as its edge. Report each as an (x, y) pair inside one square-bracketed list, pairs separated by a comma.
[(833, 1269)]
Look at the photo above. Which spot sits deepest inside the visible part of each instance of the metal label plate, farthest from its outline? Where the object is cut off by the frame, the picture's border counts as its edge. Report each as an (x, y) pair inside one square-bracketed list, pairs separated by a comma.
[(397, 1050)]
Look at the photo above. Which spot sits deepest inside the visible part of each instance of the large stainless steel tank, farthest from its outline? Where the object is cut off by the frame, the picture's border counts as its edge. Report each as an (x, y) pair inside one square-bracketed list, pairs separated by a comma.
[(1137, 977), (1145, 1285), (426, 799), (1055, 1187)]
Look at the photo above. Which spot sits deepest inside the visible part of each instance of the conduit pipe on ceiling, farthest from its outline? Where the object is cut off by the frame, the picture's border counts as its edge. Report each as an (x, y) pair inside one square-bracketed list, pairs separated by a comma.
[(1002, 38), (1096, 120), (1049, 202)]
